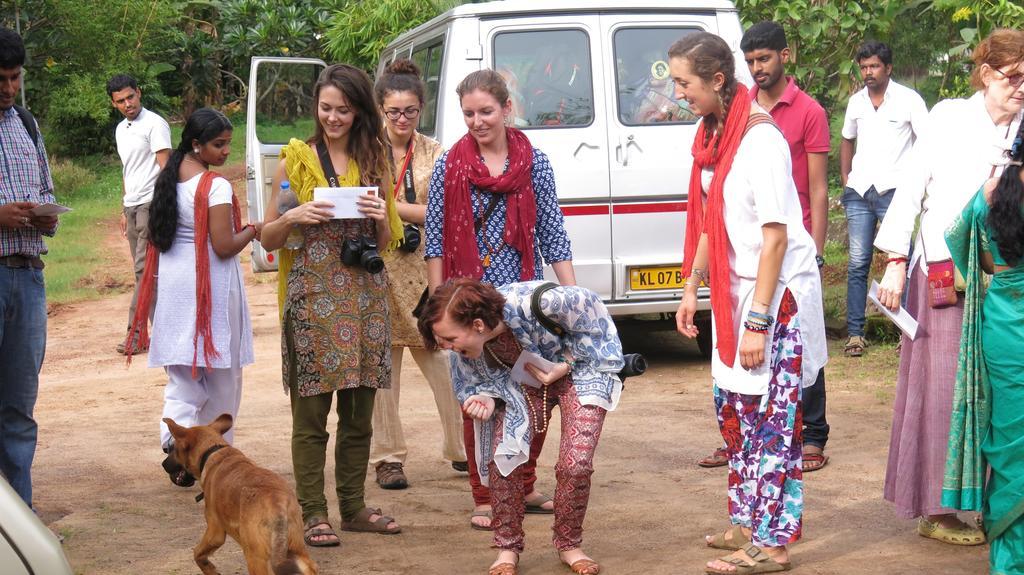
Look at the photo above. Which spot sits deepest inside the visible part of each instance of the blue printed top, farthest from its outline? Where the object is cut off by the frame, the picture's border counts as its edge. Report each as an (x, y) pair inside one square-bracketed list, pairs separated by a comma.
[(551, 240), (591, 338)]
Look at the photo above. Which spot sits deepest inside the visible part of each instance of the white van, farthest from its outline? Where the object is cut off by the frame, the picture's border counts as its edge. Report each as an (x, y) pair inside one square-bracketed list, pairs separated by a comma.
[(590, 87)]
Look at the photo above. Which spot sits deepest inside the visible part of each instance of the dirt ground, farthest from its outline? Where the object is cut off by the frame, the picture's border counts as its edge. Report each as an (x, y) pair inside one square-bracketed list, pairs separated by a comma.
[(98, 480)]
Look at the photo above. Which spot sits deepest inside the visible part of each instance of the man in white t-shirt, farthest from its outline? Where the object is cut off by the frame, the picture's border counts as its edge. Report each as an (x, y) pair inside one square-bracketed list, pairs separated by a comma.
[(144, 144), (884, 119)]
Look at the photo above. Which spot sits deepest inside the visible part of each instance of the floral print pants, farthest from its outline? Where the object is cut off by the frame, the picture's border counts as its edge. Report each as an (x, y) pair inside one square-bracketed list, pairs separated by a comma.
[(581, 430), (763, 437)]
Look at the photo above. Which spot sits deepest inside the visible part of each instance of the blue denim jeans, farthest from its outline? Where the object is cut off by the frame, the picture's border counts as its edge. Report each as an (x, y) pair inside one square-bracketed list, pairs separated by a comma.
[(22, 345), (863, 214)]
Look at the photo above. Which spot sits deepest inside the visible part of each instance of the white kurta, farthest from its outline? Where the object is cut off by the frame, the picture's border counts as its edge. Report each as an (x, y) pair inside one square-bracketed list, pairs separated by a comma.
[(174, 319), (759, 190)]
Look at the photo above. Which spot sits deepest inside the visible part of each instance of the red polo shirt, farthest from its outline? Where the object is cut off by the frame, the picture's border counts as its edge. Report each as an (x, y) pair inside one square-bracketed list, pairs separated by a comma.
[(805, 126)]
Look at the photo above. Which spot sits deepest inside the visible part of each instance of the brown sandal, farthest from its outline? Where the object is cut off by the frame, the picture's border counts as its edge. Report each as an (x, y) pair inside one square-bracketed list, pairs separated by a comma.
[(813, 462), (717, 459), (362, 524), (504, 569), (490, 518), (311, 532), (763, 563), (735, 542), (585, 567)]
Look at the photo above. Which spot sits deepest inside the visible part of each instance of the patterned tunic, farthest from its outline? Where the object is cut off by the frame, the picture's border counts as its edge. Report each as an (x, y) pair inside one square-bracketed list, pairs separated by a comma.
[(336, 329), (592, 340), (407, 272), (551, 239)]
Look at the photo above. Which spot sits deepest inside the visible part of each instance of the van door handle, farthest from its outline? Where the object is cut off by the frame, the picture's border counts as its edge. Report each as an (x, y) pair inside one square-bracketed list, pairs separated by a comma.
[(582, 145)]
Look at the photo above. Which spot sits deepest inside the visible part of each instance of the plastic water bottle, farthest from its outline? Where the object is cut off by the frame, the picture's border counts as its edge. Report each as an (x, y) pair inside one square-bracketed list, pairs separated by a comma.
[(286, 200)]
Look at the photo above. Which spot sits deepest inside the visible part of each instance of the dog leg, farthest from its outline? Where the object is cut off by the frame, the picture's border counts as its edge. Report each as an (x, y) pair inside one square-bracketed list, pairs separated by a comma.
[(211, 541)]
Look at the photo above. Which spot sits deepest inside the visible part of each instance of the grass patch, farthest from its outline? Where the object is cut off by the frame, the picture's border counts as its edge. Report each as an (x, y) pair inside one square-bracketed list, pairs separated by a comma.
[(92, 188)]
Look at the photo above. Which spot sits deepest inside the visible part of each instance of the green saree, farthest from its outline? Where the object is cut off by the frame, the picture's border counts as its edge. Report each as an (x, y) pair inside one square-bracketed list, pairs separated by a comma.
[(988, 416)]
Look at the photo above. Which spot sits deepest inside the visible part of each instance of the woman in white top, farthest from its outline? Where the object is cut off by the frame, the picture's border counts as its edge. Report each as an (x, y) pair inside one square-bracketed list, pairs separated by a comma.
[(202, 345), (745, 238), (964, 144)]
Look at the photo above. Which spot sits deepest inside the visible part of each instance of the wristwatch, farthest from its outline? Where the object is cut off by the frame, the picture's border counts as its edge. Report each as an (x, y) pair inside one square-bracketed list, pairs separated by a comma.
[(820, 260)]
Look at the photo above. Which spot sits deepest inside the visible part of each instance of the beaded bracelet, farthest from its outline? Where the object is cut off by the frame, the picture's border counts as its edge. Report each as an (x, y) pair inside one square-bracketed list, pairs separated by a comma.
[(570, 362), (756, 328)]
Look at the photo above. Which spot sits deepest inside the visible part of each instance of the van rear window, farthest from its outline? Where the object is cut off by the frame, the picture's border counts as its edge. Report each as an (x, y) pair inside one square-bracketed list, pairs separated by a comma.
[(549, 77), (642, 80)]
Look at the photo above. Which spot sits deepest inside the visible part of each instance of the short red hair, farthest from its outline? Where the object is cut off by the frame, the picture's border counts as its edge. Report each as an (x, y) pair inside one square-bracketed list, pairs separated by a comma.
[(463, 300)]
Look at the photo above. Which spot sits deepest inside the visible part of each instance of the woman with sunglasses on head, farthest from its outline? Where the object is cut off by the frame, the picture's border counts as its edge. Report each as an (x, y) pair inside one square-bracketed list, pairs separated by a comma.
[(492, 215), (332, 292), (400, 92), (202, 335), (963, 145), (988, 238), (745, 238), (487, 329)]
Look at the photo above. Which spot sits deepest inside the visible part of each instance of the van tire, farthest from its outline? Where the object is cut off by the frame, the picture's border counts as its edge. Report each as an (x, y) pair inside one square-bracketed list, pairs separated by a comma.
[(704, 337)]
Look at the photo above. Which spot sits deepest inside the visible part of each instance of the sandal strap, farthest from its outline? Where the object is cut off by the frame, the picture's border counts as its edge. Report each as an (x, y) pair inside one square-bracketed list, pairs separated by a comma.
[(755, 553), (314, 521)]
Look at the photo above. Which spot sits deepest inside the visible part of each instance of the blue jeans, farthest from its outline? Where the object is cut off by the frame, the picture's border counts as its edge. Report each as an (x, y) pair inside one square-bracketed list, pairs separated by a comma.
[(863, 215), (22, 345)]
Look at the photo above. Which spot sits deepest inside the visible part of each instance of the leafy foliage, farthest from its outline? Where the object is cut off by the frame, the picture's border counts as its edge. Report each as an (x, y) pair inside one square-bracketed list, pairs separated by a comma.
[(358, 33)]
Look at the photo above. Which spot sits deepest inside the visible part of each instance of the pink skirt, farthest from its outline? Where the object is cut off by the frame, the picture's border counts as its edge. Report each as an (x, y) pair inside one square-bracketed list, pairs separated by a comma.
[(924, 402)]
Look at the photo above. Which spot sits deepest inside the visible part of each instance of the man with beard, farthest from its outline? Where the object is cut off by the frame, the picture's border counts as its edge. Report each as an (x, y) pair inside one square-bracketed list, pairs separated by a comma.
[(884, 118), (804, 125)]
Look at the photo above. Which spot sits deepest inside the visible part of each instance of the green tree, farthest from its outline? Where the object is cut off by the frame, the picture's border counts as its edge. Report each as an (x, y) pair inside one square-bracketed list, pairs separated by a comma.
[(361, 29)]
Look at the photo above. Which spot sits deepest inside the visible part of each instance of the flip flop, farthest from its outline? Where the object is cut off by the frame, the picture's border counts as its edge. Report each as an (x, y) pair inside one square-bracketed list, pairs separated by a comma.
[(310, 533), (814, 462), (719, 458), (487, 514), (537, 507)]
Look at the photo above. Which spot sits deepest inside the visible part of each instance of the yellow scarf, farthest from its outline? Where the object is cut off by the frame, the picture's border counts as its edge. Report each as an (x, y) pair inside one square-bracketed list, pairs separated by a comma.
[(304, 173)]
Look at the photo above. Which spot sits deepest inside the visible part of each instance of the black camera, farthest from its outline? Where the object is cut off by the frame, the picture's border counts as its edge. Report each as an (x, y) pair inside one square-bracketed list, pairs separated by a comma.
[(410, 238), (635, 364), (362, 252)]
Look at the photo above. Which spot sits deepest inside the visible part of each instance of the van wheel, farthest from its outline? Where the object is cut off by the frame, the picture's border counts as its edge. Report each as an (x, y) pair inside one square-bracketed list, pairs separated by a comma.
[(704, 337)]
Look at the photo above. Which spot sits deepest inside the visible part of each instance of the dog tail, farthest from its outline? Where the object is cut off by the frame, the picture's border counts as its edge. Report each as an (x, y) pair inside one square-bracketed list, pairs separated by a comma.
[(283, 564)]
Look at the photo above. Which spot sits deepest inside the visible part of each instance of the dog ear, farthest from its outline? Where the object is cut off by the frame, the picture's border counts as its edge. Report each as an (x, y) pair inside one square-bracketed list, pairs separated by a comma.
[(222, 424), (177, 431)]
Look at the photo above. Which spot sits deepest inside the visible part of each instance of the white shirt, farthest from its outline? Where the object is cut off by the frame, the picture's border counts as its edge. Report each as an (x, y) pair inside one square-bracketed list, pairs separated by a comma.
[(174, 317), (957, 153), (138, 141), (759, 190), (884, 136)]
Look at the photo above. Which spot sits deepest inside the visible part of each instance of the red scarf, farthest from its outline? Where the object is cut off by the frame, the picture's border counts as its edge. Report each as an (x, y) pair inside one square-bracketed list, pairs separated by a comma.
[(204, 302), (718, 152), (464, 168)]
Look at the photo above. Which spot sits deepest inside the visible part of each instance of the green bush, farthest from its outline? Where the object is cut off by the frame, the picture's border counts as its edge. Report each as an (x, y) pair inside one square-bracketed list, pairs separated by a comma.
[(68, 178), (80, 119)]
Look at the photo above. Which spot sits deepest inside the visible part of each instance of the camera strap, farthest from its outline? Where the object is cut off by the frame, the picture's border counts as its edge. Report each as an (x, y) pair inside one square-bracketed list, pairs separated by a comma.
[(545, 321), (326, 165), (405, 175)]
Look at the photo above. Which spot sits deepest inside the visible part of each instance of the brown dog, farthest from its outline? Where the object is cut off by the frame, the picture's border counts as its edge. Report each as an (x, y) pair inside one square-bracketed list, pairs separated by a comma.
[(253, 505)]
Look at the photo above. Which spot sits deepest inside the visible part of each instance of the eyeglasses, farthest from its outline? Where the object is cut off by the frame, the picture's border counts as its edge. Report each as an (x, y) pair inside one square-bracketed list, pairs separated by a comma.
[(394, 114), (1016, 80)]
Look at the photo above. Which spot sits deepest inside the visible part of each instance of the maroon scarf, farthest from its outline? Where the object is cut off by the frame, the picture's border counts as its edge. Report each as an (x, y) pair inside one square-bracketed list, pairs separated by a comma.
[(204, 303), (717, 151), (464, 168)]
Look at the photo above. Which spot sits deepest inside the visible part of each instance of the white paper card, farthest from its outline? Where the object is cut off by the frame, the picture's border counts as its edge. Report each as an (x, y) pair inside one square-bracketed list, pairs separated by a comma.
[(519, 373), (46, 210), (901, 318), (344, 200)]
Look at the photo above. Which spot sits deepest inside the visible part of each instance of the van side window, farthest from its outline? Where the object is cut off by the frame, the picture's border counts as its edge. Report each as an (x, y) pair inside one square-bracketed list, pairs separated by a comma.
[(646, 93), (428, 58), (549, 77), (284, 104)]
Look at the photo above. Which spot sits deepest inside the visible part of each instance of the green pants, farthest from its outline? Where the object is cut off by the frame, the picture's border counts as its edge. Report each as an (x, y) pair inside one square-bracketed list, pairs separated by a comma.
[(351, 449)]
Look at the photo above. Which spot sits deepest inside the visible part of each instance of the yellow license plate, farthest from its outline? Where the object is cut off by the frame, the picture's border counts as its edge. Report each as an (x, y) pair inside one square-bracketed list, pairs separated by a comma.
[(655, 277)]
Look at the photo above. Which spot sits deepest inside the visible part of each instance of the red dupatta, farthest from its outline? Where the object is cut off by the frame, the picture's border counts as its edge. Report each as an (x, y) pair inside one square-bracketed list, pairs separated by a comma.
[(463, 168), (718, 152), (204, 303)]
